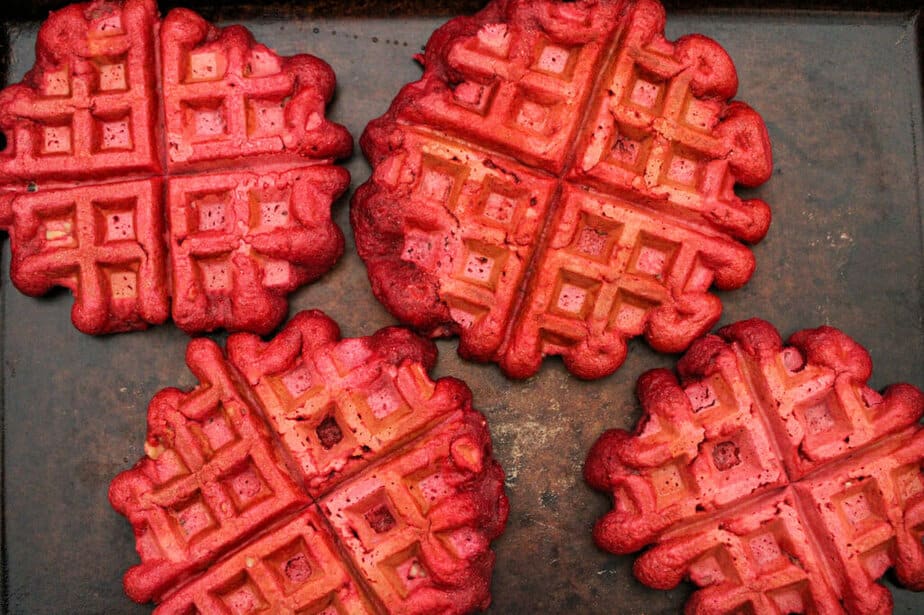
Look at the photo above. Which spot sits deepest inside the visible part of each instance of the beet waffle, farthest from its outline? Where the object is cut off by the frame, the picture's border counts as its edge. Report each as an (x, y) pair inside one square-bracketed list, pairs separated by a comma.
[(560, 180), (769, 475), (310, 473), (129, 130)]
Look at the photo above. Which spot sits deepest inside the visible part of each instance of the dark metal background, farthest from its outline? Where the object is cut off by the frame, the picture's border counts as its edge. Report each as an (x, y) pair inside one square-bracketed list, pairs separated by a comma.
[(37, 9), (841, 95)]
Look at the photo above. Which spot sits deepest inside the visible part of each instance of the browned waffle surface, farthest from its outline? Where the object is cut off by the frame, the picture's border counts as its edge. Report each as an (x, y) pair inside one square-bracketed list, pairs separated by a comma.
[(559, 181), (381, 495), (772, 476), (118, 94)]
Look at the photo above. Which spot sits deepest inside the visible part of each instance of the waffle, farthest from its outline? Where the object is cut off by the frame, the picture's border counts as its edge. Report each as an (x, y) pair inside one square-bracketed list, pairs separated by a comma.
[(130, 129), (312, 473), (561, 180), (769, 475)]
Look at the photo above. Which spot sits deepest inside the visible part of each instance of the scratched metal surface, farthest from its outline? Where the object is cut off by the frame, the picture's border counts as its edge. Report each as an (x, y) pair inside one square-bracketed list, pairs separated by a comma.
[(841, 96)]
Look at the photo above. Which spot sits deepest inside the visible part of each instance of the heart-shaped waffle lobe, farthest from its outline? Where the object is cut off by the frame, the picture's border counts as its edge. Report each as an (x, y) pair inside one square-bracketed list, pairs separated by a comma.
[(129, 130), (560, 180), (313, 473), (769, 475)]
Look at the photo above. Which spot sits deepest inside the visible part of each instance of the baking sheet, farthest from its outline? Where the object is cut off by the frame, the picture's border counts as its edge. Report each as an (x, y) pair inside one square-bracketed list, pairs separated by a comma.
[(841, 96)]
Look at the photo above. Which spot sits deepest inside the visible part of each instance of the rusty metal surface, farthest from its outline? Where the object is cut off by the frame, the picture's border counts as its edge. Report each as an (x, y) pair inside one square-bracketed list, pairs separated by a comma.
[(841, 96), (37, 9)]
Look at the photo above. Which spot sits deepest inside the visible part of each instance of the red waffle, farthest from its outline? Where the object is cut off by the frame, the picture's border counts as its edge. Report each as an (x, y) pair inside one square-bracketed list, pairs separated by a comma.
[(240, 242), (310, 473), (227, 97), (560, 180), (87, 108), (294, 569), (83, 191), (771, 476)]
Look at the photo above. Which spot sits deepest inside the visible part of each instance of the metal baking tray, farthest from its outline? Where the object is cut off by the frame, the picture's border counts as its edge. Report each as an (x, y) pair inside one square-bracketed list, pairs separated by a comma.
[(840, 92)]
